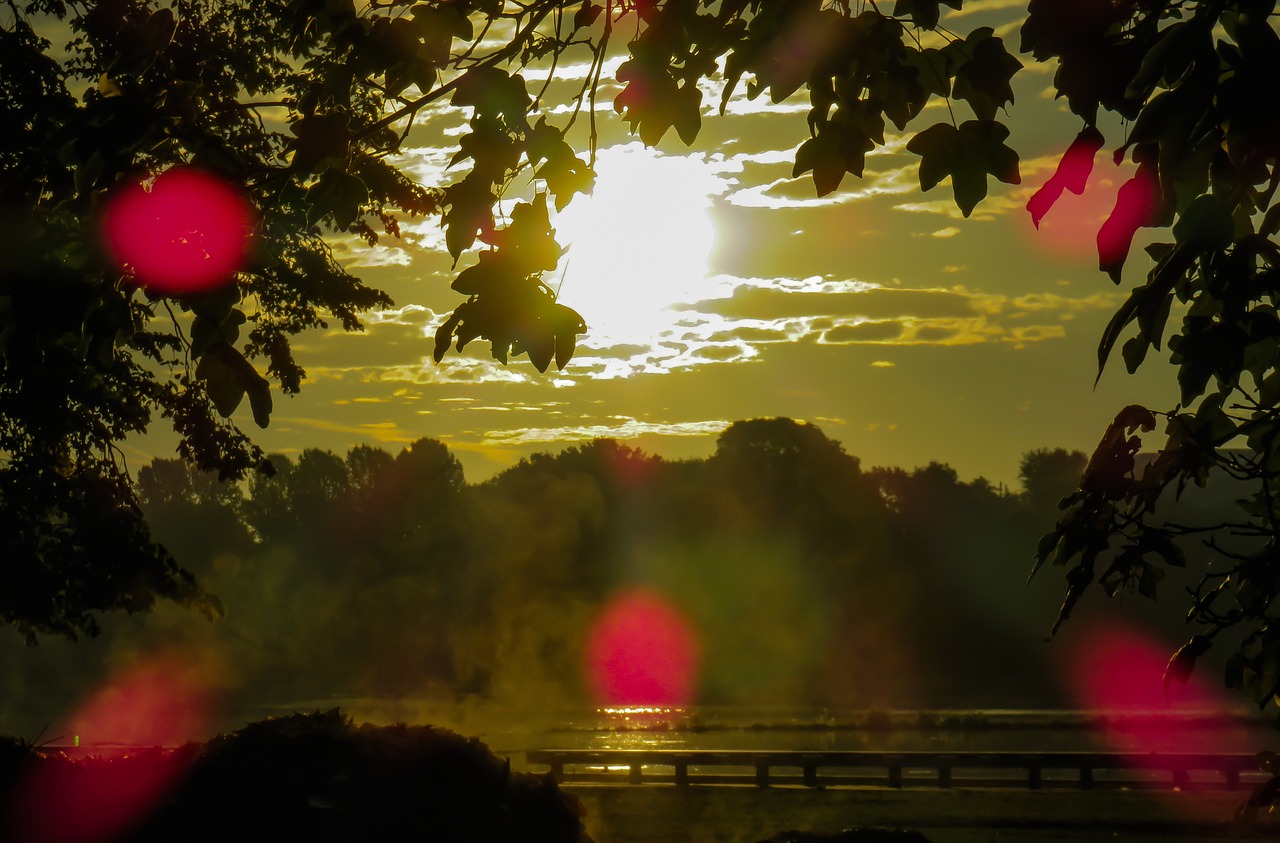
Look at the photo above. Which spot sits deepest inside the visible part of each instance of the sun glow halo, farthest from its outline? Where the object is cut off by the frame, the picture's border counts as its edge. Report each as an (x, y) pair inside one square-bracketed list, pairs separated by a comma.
[(639, 244)]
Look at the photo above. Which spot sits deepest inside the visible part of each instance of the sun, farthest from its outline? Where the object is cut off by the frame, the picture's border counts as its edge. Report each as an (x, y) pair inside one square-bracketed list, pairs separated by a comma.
[(638, 244)]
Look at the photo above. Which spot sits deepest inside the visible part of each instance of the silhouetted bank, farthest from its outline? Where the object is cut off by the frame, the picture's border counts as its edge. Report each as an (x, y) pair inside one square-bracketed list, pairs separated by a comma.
[(305, 778)]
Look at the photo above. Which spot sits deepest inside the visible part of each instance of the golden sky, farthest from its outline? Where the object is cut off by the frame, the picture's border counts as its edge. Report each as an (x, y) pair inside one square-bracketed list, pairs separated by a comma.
[(717, 288)]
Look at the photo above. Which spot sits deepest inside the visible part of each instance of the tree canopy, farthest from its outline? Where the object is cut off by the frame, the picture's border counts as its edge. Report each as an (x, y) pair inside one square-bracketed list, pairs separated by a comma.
[(116, 309)]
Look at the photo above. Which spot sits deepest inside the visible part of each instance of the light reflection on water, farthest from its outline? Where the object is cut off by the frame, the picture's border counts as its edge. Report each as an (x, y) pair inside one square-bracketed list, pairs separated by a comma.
[(643, 727), (939, 731)]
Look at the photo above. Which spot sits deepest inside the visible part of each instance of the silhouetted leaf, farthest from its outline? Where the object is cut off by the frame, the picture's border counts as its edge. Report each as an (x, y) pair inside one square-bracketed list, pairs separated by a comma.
[(322, 141), (444, 335), (337, 194), (933, 69), (821, 155), (540, 345), (982, 77), (470, 211), (493, 91), (1205, 224), (586, 14), (1134, 351), (1169, 57), (222, 382), (923, 13), (259, 392), (567, 324), (967, 155)]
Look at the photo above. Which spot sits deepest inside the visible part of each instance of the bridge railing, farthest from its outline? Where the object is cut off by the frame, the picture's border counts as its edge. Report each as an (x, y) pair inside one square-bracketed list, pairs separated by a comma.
[(1032, 770)]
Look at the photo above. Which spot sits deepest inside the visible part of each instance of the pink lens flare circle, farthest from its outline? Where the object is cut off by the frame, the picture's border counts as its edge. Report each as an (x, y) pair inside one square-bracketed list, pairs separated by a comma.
[(160, 701), (642, 650), (186, 232), (1117, 670)]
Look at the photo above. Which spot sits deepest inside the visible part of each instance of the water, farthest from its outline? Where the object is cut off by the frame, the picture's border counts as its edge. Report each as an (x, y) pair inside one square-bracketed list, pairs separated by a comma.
[(511, 733)]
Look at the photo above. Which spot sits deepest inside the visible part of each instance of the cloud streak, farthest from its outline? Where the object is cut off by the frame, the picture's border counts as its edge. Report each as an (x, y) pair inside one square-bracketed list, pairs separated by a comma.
[(619, 427)]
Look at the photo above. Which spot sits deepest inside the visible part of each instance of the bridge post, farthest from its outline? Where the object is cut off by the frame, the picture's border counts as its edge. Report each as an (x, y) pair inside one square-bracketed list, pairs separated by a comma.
[(1086, 778), (944, 776), (810, 775), (635, 772), (895, 775), (682, 773), (1033, 777), (762, 773)]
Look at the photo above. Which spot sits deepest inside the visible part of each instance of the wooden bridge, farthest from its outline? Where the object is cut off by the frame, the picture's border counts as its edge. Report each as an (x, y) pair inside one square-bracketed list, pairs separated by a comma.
[(1034, 770)]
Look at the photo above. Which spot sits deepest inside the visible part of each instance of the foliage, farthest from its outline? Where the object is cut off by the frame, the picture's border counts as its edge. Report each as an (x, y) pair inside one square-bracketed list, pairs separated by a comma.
[(1046, 472), (88, 355), (1204, 137)]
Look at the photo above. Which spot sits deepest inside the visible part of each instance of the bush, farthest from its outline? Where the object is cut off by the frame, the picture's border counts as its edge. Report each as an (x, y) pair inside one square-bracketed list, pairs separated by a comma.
[(312, 778)]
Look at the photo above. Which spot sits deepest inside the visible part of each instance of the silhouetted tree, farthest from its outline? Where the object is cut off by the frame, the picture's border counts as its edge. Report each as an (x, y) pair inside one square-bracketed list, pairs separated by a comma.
[(201, 515), (1050, 474)]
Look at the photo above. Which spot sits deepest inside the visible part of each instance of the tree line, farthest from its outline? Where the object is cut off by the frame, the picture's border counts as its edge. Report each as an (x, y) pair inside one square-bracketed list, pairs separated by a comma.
[(809, 578)]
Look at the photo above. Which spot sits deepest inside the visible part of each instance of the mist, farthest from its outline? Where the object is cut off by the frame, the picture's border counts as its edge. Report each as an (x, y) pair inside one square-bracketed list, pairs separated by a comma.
[(388, 584)]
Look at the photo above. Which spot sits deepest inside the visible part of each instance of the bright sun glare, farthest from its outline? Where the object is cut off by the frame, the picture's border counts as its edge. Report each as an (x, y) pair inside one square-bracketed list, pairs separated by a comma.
[(639, 244)]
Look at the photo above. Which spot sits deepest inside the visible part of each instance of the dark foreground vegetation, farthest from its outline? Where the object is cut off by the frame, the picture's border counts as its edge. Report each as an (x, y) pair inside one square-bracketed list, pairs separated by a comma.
[(311, 778)]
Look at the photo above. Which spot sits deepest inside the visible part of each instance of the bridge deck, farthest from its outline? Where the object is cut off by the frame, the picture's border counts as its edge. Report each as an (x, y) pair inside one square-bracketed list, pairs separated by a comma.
[(1203, 771)]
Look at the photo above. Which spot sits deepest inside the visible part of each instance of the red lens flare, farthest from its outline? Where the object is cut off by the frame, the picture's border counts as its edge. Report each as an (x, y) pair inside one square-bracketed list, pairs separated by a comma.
[(642, 650), (1118, 671), (188, 232), (93, 800), (1068, 224), (161, 701), (1137, 205)]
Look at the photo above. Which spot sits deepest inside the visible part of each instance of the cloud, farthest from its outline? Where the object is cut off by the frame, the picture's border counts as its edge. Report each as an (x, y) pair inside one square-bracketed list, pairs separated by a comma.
[(753, 314), (759, 315), (353, 252), (988, 209), (384, 431), (871, 302), (413, 315), (1024, 334), (453, 370), (620, 427), (787, 192), (887, 331)]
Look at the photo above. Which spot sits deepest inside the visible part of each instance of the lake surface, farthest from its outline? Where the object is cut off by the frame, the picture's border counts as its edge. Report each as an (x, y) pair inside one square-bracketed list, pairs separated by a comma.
[(511, 733)]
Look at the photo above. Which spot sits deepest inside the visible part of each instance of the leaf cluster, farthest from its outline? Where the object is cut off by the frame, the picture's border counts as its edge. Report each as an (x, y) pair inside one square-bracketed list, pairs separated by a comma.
[(507, 303), (1204, 138)]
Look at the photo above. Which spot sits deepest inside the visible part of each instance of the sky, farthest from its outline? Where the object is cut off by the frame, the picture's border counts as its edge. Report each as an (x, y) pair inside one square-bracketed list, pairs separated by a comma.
[(715, 288)]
